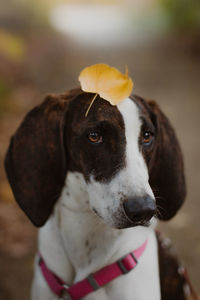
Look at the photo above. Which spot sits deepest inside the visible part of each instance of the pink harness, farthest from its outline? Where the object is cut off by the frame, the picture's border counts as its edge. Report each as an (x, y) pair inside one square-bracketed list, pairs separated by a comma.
[(94, 281)]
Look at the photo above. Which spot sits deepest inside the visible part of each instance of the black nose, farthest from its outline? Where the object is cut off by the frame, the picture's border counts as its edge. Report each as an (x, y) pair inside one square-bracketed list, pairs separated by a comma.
[(140, 210)]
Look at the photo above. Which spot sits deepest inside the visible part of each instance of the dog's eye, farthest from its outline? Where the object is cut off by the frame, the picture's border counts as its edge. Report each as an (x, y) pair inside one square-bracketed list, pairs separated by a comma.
[(147, 137), (95, 137)]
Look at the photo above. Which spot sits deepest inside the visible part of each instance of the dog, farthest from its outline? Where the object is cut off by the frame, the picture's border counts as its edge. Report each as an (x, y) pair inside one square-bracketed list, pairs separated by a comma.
[(96, 186)]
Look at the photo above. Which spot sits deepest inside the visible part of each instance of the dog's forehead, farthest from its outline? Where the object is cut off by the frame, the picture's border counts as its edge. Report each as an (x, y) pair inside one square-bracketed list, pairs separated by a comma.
[(101, 110)]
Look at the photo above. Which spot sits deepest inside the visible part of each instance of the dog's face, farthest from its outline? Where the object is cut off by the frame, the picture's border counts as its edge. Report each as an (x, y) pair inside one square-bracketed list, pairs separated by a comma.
[(123, 152), (110, 148)]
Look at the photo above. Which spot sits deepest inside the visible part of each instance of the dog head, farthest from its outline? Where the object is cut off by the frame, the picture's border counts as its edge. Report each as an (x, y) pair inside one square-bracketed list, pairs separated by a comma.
[(127, 154)]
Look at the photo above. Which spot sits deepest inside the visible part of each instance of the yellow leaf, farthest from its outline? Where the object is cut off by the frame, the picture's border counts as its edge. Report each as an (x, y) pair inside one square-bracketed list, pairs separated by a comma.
[(106, 81)]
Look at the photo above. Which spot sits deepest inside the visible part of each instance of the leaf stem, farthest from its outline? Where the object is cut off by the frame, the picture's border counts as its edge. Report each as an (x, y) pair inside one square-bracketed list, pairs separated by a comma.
[(93, 99)]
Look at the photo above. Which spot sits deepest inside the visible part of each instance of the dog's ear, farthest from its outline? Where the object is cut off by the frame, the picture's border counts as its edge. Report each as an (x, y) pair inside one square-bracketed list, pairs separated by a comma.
[(36, 160), (166, 170)]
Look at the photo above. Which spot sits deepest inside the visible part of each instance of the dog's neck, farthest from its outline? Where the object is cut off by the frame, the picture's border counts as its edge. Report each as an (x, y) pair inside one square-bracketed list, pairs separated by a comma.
[(78, 241)]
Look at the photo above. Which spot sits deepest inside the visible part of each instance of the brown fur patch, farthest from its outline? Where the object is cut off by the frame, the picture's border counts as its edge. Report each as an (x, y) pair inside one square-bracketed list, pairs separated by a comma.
[(103, 159)]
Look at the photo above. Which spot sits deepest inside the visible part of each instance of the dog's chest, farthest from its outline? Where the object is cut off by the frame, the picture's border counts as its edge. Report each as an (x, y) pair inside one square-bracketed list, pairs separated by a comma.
[(87, 256), (141, 283)]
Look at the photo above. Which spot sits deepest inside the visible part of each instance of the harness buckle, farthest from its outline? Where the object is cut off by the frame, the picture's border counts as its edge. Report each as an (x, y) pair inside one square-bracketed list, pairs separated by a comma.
[(94, 284), (122, 266), (65, 295)]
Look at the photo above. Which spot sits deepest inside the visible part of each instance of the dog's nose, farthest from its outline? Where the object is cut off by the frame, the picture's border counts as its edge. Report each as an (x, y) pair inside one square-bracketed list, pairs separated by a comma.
[(140, 210)]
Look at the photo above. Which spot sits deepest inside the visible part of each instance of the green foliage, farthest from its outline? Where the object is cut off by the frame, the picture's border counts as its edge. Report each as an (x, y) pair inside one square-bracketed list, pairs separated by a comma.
[(4, 91), (183, 14), (11, 46)]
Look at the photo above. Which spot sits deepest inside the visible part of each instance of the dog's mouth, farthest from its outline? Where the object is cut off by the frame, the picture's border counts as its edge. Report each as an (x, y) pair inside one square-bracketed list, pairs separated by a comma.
[(127, 223), (120, 220)]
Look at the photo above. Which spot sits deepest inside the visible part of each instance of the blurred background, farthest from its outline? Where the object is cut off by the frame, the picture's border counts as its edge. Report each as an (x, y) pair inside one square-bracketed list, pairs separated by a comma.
[(44, 45)]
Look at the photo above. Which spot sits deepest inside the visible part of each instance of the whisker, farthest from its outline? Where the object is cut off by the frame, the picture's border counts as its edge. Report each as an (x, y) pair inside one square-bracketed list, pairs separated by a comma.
[(158, 197), (159, 209)]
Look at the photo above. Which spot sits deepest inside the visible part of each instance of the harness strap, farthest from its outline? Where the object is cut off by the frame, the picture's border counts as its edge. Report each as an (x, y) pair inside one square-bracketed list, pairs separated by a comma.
[(94, 281)]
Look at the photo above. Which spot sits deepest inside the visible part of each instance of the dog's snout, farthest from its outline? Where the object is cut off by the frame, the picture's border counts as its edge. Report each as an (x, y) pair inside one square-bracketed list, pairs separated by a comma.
[(140, 210)]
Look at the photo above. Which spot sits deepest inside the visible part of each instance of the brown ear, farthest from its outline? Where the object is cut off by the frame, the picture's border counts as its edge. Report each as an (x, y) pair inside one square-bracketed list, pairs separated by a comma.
[(35, 162), (166, 170)]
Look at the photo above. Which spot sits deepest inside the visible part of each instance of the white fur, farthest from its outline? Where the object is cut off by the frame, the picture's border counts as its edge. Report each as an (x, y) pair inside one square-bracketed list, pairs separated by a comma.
[(136, 173), (76, 242)]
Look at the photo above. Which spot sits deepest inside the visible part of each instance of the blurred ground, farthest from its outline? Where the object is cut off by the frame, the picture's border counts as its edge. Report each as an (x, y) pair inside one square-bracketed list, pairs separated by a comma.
[(165, 69)]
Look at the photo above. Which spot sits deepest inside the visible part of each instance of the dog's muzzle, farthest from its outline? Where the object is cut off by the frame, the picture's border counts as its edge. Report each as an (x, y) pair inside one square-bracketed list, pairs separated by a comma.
[(139, 211)]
